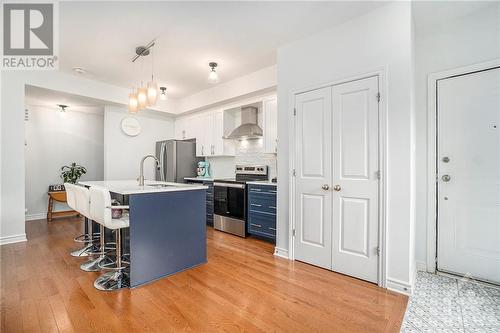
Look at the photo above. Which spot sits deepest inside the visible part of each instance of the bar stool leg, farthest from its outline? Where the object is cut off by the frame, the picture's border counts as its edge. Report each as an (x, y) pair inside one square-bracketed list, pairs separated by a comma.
[(93, 264), (89, 246), (119, 277)]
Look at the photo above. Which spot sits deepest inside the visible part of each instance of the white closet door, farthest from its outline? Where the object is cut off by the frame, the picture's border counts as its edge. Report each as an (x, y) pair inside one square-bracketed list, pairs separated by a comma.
[(313, 203), (355, 178), (468, 164)]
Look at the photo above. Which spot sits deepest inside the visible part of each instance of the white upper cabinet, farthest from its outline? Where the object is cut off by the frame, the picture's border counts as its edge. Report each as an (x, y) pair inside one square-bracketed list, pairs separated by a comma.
[(270, 124), (208, 129)]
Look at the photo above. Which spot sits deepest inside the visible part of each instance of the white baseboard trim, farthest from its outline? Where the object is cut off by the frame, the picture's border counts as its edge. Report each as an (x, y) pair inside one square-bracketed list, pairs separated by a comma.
[(282, 253), (399, 286), (421, 265), (13, 239), (38, 216)]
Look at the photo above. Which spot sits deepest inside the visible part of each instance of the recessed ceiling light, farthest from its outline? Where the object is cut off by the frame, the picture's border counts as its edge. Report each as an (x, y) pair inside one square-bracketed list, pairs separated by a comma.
[(79, 70)]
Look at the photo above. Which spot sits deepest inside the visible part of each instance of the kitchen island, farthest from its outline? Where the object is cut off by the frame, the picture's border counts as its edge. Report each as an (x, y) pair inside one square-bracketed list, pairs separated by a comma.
[(167, 232)]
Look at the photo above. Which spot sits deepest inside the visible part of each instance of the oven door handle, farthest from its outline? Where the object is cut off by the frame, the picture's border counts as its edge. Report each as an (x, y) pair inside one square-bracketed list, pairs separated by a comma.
[(242, 186)]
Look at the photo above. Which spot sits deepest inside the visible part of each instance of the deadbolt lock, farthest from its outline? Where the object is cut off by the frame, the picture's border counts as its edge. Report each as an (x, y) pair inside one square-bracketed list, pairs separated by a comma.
[(446, 178)]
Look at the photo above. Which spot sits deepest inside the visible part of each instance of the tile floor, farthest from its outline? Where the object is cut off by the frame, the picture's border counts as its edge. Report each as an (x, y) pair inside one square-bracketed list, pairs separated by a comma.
[(446, 304)]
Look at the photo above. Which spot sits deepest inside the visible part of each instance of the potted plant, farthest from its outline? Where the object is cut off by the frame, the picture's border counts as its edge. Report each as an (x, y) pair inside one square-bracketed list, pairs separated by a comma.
[(71, 173)]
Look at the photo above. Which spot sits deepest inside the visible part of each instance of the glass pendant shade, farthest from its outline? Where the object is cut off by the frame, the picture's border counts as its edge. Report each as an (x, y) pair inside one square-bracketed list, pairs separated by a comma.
[(163, 96), (142, 98), (213, 77), (132, 103), (152, 92)]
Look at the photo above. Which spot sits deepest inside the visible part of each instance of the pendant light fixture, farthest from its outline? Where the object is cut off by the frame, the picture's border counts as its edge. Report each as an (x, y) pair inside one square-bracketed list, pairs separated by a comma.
[(152, 87), (213, 77), (133, 104), (144, 96)]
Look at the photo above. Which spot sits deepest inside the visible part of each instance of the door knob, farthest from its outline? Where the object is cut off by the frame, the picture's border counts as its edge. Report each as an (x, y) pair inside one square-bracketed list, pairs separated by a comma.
[(325, 187), (446, 178), (337, 188)]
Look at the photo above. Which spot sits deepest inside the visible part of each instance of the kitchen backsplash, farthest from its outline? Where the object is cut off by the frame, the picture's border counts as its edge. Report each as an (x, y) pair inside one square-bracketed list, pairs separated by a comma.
[(247, 152)]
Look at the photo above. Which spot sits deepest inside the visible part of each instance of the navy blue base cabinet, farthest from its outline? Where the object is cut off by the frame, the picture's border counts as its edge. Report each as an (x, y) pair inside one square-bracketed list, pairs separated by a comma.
[(261, 218), (209, 198)]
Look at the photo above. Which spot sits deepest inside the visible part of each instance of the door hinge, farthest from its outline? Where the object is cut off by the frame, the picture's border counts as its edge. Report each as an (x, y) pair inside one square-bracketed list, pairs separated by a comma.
[(294, 111), (379, 174), (378, 250), (378, 97), (293, 232), (293, 172)]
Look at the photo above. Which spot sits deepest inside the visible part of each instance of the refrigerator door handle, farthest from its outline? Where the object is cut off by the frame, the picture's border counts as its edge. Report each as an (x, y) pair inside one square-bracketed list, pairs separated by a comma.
[(162, 161)]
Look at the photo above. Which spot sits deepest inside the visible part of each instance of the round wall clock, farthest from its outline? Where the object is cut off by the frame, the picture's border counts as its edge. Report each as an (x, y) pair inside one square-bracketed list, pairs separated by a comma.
[(131, 126)]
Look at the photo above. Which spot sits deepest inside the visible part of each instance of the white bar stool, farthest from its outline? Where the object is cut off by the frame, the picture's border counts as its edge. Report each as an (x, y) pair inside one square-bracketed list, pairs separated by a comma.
[(83, 207), (87, 238), (101, 212)]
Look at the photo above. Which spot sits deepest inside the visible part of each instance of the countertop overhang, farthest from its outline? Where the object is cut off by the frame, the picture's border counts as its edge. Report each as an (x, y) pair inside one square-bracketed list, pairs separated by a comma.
[(127, 187)]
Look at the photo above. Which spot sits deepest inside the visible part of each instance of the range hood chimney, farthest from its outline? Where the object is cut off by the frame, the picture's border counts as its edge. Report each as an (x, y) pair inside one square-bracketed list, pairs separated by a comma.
[(248, 128)]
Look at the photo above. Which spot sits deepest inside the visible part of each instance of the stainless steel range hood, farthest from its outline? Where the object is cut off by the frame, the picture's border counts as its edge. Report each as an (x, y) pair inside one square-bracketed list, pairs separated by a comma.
[(248, 128)]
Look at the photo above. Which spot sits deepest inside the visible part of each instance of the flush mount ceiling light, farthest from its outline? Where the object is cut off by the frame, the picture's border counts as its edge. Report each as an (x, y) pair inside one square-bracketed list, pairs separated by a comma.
[(143, 96), (79, 70), (63, 107), (213, 77), (163, 94)]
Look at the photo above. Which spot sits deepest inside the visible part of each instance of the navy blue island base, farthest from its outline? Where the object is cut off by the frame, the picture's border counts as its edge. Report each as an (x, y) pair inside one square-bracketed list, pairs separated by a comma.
[(167, 234)]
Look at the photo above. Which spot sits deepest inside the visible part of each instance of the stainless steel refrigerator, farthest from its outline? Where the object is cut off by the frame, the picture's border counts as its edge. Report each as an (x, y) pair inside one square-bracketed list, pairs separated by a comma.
[(177, 160)]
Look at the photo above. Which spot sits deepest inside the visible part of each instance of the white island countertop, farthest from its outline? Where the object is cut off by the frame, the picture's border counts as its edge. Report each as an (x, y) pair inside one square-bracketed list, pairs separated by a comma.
[(150, 186)]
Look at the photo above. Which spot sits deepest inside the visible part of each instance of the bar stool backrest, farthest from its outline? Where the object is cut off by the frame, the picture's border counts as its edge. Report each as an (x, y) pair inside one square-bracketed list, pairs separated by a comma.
[(100, 209), (100, 199), (82, 201), (70, 195)]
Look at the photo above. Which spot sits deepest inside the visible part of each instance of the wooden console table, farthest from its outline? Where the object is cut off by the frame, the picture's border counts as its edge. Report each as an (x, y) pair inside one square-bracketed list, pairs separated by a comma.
[(59, 196)]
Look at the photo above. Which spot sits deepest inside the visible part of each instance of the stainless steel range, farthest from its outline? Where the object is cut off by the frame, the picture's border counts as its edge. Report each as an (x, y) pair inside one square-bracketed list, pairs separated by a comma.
[(230, 209)]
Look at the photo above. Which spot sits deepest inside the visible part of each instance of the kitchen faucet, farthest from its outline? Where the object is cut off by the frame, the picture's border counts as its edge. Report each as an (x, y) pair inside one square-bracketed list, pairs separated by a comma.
[(141, 175)]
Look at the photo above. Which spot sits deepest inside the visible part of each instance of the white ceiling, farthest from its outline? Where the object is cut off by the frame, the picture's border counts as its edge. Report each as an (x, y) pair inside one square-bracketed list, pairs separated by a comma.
[(48, 99), (241, 36)]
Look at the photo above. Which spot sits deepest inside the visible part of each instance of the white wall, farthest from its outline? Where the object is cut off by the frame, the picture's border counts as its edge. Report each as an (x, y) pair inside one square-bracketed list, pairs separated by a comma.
[(54, 139), (123, 153), (379, 39), (472, 39)]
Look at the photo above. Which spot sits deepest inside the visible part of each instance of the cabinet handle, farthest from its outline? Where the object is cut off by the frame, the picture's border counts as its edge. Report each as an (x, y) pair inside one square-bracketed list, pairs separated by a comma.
[(272, 191), (271, 228), (202, 149), (255, 190), (273, 207), (256, 225), (256, 205), (213, 149)]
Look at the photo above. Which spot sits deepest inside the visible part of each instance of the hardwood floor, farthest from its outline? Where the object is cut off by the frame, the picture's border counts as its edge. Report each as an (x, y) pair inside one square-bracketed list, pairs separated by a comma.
[(242, 288)]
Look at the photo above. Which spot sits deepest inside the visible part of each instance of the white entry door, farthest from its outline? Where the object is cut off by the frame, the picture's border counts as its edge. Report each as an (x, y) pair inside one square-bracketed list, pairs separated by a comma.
[(336, 182), (355, 178), (313, 169), (468, 164)]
